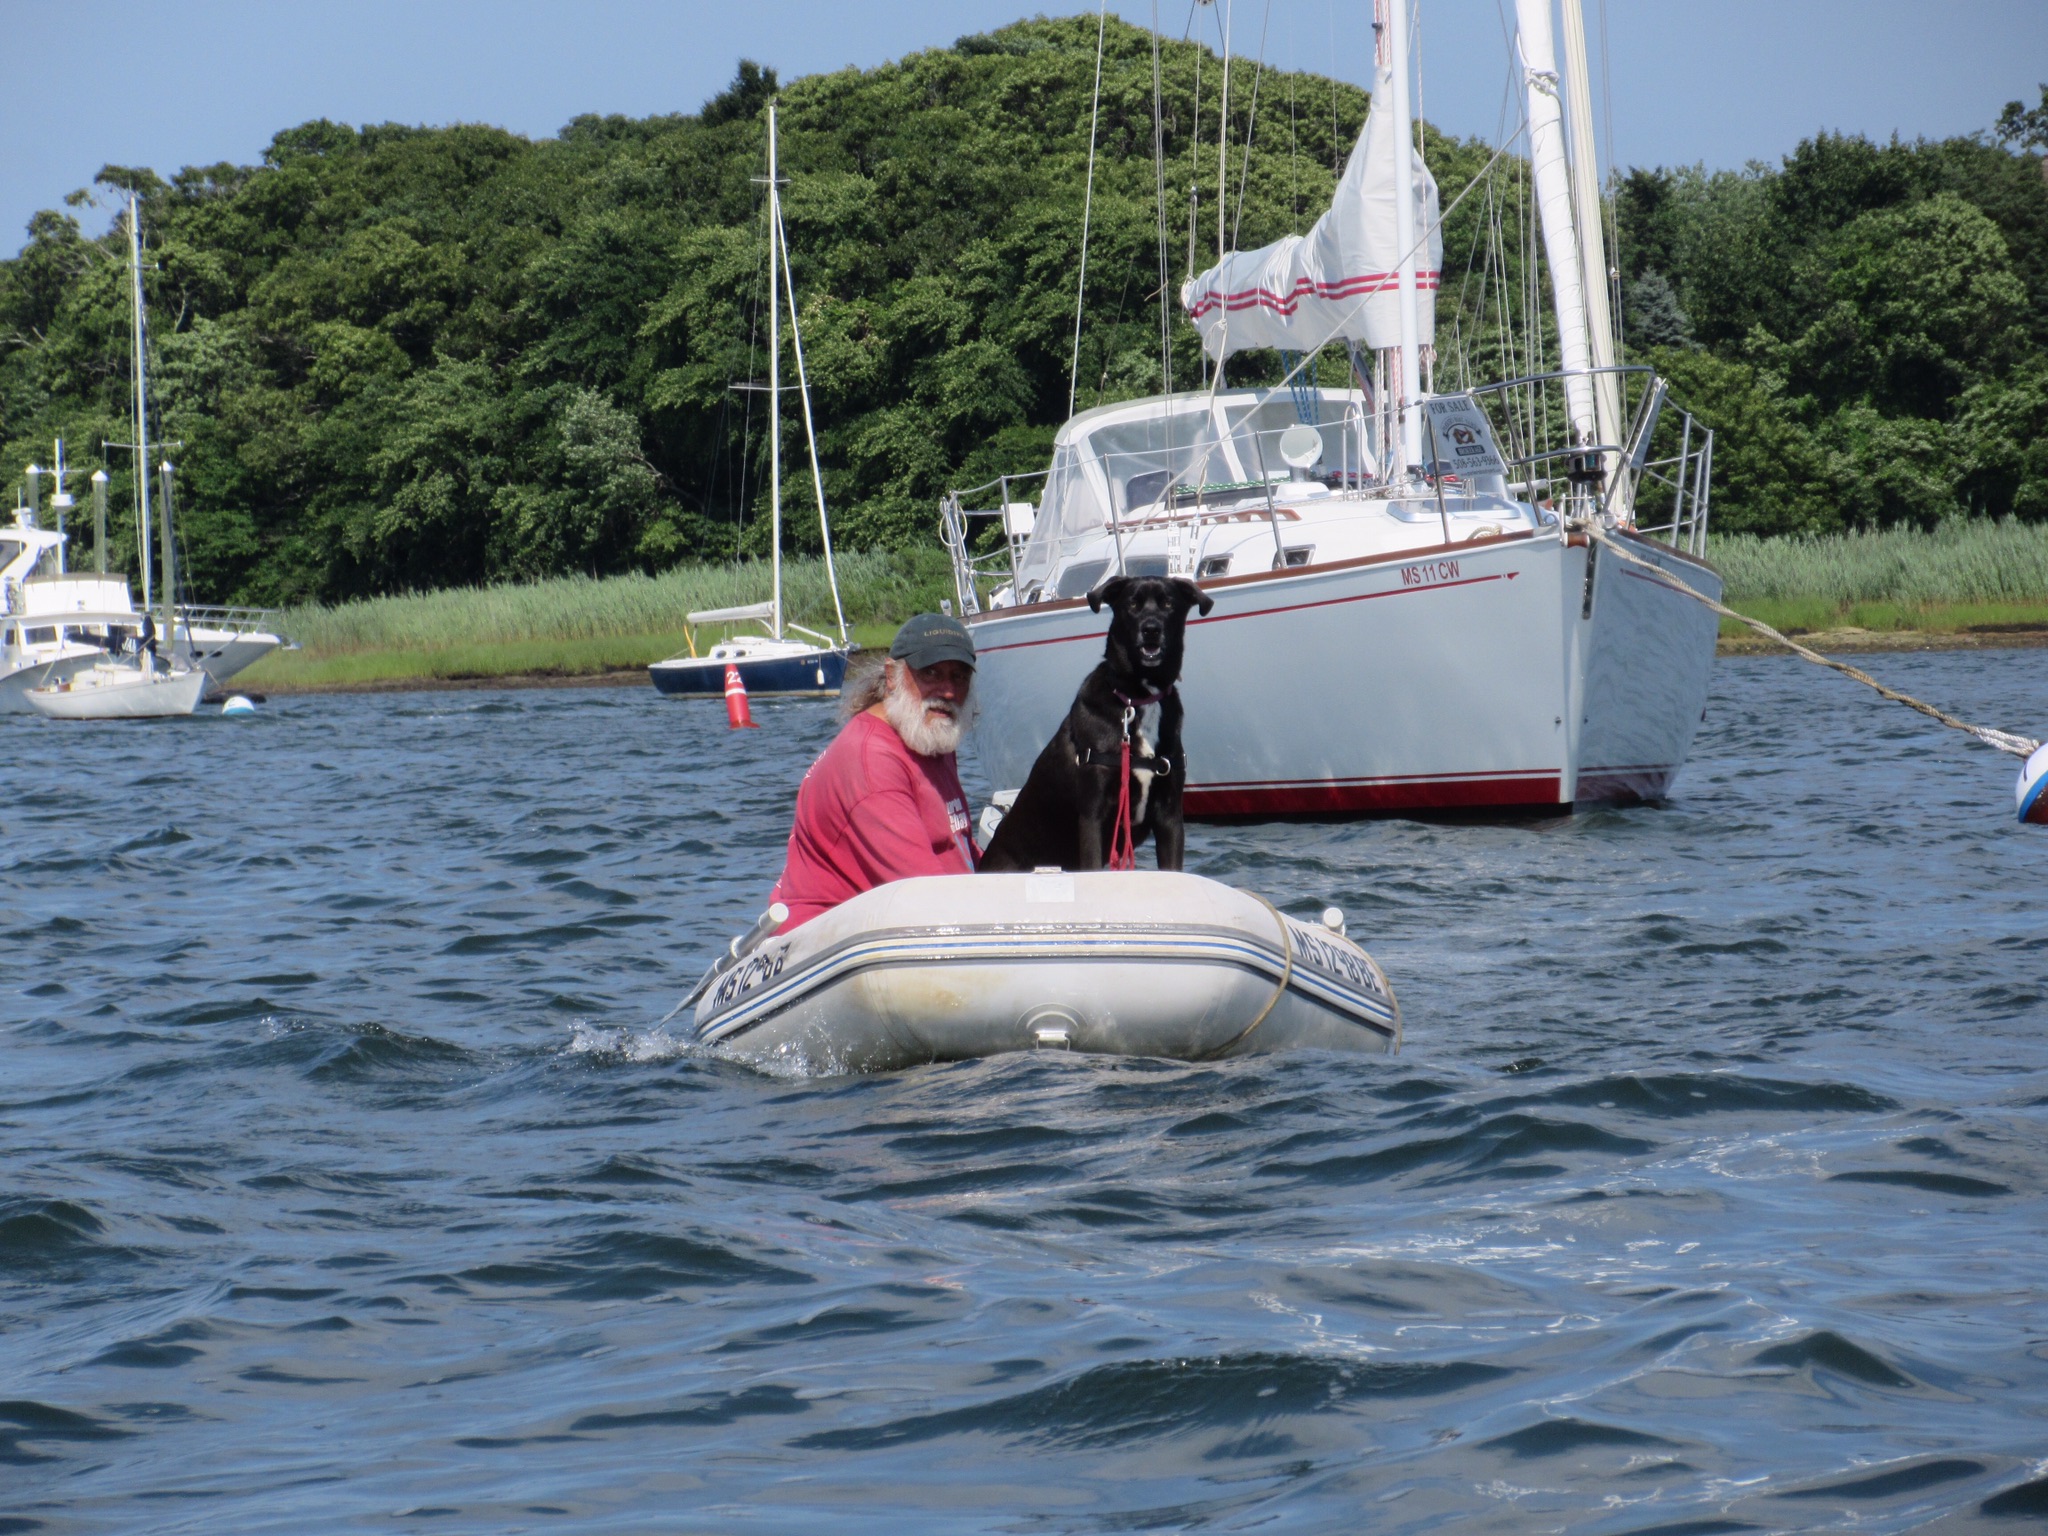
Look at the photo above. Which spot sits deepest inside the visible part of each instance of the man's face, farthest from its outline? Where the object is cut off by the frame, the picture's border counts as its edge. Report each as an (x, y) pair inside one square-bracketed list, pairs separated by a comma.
[(927, 705), (945, 684)]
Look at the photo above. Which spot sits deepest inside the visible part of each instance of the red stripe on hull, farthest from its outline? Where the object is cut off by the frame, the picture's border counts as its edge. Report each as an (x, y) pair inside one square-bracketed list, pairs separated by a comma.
[(1381, 797), (1264, 613)]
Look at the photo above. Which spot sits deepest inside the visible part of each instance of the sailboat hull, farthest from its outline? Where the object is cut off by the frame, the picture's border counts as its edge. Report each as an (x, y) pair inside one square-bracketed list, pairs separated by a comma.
[(816, 675), (1489, 676), (134, 696)]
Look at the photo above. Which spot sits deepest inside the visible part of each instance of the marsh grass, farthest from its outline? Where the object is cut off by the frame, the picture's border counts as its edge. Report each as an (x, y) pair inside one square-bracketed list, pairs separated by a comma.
[(876, 587), (578, 625), (1955, 563), (1959, 576)]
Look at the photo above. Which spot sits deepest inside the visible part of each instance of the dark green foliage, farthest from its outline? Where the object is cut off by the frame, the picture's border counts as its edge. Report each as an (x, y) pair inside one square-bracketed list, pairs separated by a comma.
[(1652, 316), (407, 358), (2023, 125), (1876, 323)]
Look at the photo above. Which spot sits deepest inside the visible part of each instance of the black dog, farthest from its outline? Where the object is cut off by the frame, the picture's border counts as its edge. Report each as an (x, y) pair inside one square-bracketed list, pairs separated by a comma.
[(1066, 813)]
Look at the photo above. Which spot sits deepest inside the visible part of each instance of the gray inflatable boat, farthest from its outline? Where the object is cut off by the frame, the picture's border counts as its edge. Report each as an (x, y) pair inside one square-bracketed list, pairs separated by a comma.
[(1129, 963)]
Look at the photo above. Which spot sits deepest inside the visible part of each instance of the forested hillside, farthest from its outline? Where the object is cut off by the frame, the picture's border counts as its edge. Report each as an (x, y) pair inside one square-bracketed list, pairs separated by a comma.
[(402, 358)]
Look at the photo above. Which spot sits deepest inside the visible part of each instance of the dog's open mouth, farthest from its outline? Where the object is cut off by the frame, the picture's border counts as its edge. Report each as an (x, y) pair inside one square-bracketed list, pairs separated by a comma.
[(1151, 655)]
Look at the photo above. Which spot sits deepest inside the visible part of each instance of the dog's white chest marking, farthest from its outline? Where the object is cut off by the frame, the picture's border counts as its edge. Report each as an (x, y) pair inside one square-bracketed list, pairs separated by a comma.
[(1144, 734)]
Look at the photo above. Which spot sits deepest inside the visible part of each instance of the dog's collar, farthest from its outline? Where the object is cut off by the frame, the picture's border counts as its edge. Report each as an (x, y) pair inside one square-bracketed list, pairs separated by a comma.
[(1151, 698)]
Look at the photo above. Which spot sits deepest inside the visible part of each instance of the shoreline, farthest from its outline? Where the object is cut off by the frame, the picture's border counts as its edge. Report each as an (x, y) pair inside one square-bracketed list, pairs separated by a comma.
[(1851, 641), (1989, 637)]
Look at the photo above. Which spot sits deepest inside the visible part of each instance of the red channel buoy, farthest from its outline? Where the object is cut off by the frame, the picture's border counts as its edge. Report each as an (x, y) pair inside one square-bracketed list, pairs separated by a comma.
[(738, 715)]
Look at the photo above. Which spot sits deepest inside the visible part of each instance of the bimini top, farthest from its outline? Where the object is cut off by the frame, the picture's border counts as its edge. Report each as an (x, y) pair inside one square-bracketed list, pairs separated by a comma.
[(1134, 459)]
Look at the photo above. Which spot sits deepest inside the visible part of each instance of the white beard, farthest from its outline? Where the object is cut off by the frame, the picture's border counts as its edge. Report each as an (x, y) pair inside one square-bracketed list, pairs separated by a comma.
[(929, 727)]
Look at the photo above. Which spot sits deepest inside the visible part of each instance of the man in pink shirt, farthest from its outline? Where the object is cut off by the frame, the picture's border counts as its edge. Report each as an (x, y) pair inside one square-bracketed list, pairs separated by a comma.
[(884, 801)]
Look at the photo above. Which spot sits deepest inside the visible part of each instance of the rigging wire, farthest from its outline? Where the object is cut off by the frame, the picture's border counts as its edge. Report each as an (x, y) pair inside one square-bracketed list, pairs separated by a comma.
[(1159, 175), (2003, 741), (1223, 127), (1088, 204), (1251, 126), (803, 385), (1613, 207)]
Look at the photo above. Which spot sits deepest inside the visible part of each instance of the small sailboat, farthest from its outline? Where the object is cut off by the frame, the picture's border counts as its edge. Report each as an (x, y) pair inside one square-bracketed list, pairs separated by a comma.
[(120, 691), (1121, 963), (775, 663), (144, 686)]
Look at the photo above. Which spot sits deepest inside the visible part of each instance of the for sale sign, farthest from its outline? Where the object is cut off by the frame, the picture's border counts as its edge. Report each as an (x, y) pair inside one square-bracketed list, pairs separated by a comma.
[(1460, 442)]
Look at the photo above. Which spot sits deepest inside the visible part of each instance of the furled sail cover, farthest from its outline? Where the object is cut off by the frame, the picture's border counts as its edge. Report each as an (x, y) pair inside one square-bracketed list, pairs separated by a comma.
[(1341, 279)]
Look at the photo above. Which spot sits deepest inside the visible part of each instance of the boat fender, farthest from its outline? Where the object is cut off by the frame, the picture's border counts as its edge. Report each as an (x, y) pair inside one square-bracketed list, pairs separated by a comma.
[(2032, 790)]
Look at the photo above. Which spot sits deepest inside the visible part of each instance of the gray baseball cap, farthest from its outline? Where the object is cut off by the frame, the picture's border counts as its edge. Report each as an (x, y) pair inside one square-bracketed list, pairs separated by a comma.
[(930, 638)]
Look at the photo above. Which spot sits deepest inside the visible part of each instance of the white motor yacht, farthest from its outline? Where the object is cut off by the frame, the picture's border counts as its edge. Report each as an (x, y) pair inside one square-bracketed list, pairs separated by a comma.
[(56, 624)]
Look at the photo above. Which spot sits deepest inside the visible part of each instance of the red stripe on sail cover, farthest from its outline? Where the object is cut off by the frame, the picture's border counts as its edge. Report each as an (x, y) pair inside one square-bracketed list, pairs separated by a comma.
[(1307, 288)]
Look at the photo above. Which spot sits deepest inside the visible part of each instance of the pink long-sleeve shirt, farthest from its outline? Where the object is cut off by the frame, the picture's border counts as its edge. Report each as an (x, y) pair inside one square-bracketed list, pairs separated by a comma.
[(870, 811)]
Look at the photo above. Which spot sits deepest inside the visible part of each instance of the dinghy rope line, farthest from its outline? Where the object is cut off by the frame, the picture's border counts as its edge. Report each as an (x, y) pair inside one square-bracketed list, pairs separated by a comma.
[(2003, 741), (1286, 976)]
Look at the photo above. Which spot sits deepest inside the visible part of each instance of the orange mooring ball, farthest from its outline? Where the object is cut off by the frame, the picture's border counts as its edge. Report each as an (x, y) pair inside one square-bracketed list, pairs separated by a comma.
[(2033, 788)]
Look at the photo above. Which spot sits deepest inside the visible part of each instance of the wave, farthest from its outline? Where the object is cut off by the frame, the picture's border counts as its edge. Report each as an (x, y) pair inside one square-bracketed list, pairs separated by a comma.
[(1137, 1400)]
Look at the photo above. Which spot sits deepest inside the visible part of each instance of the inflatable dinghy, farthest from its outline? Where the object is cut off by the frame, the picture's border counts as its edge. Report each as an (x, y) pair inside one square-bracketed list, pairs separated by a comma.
[(1127, 963)]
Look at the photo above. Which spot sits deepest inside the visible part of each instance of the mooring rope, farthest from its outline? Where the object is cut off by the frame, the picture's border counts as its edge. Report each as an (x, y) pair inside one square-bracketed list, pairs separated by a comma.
[(1286, 976), (2003, 741)]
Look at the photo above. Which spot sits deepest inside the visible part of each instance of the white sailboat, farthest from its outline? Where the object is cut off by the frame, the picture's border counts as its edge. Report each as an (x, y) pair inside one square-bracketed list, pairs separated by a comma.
[(146, 686), (774, 663), (1404, 620)]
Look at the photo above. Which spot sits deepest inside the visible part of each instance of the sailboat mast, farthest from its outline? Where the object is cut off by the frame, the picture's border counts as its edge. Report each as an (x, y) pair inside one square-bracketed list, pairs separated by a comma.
[(1396, 82), (1554, 203), (774, 378), (141, 412), (1592, 246)]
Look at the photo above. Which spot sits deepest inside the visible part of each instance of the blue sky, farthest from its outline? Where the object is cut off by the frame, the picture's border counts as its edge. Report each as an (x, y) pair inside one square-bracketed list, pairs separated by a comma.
[(168, 83)]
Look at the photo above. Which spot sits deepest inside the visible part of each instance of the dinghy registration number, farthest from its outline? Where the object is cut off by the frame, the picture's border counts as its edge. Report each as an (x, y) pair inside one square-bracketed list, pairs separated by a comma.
[(757, 969), (1429, 573), (1334, 959)]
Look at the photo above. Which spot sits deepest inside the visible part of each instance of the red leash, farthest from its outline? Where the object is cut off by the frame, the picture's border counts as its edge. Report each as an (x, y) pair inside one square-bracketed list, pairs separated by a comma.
[(1123, 848)]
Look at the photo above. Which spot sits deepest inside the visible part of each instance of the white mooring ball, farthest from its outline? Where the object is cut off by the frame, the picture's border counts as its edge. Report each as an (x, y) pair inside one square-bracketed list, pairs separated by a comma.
[(238, 705), (2032, 790)]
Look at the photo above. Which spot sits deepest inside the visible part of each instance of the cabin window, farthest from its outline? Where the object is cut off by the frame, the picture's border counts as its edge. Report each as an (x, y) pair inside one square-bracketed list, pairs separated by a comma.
[(1145, 565), (44, 635), (1143, 490), (1079, 579), (1300, 554), (1213, 565)]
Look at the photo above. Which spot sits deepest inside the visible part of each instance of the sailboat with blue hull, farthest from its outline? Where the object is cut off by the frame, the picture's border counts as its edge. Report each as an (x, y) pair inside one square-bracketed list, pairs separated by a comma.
[(774, 664), (770, 667)]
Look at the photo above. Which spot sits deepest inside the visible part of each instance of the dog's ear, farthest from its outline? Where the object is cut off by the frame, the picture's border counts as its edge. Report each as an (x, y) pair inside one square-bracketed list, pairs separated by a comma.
[(1110, 592), (1192, 596)]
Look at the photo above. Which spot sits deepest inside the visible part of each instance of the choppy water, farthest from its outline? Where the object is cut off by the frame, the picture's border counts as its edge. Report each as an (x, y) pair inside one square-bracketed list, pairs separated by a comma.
[(345, 1186)]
